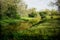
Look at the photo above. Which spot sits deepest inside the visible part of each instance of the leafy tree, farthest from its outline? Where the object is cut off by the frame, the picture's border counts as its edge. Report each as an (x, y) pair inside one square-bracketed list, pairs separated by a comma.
[(8, 7), (42, 14), (9, 18), (32, 15), (32, 12), (22, 9), (58, 4)]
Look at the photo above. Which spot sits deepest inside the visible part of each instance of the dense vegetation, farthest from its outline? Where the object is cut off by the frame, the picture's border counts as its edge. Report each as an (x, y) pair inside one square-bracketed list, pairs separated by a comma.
[(22, 24)]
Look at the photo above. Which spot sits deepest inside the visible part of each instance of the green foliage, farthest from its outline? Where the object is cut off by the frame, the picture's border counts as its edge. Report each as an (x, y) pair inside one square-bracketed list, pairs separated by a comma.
[(8, 27), (48, 14), (11, 23), (45, 31), (43, 14), (12, 13), (32, 15), (9, 19)]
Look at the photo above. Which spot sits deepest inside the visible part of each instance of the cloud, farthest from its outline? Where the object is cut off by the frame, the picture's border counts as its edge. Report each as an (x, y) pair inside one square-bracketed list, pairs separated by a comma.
[(38, 4)]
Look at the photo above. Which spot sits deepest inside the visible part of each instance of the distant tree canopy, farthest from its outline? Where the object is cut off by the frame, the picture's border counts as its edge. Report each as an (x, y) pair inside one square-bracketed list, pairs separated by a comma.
[(42, 14), (32, 15), (58, 4)]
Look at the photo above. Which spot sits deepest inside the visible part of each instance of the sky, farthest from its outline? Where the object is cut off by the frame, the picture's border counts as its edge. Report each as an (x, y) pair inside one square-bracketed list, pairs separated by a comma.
[(39, 4)]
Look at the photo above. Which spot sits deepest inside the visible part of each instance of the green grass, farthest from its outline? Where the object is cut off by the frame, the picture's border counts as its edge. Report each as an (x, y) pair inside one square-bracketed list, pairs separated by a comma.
[(47, 30)]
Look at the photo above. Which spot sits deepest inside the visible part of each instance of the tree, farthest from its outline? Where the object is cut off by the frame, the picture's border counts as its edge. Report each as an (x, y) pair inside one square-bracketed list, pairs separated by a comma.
[(8, 6), (5, 3), (58, 4), (32, 15), (22, 9), (43, 14), (8, 19)]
